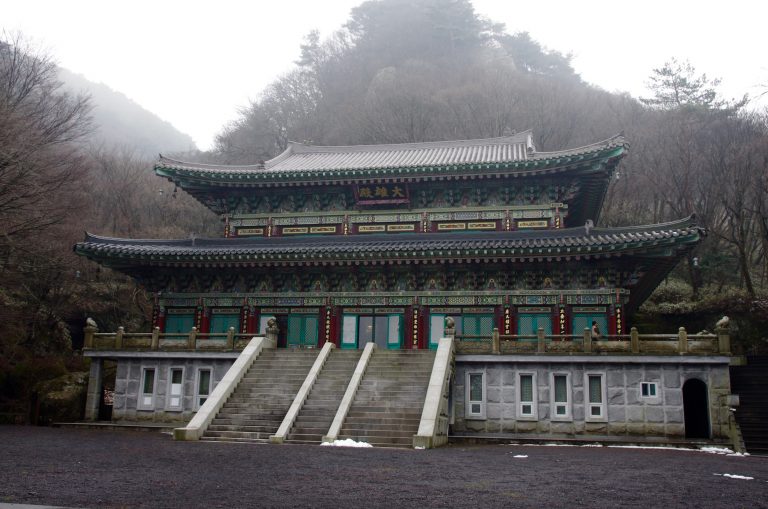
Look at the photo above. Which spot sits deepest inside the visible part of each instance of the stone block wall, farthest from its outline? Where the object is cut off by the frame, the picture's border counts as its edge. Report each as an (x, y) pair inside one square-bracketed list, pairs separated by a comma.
[(627, 413), (128, 383)]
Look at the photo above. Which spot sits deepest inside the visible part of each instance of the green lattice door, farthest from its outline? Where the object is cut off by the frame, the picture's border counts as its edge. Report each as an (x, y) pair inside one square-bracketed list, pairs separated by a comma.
[(302, 330), (221, 322), (178, 325), (477, 325), (583, 321), (528, 324)]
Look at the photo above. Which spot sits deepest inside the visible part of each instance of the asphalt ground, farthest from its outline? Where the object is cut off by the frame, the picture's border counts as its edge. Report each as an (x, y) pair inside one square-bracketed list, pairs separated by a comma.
[(95, 469)]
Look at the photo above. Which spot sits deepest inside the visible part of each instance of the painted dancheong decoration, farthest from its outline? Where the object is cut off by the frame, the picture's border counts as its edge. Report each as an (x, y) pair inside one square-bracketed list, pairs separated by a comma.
[(380, 244)]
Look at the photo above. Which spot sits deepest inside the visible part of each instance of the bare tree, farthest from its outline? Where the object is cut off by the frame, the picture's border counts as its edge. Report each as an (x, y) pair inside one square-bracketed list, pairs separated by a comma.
[(40, 160)]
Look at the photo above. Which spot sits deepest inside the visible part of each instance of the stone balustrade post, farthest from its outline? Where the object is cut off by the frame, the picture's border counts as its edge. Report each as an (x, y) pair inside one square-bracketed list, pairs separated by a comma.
[(541, 345), (155, 338), (634, 340), (723, 340), (587, 340), (192, 339), (682, 341), (450, 327), (119, 338), (88, 332), (231, 338), (271, 333), (496, 346)]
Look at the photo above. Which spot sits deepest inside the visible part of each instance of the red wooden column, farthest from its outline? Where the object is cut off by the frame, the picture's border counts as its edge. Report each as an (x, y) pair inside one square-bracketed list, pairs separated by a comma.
[(326, 332)]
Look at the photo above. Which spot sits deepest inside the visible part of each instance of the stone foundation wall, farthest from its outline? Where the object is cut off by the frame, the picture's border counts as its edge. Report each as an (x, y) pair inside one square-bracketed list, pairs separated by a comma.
[(128, 383), (628, 414)]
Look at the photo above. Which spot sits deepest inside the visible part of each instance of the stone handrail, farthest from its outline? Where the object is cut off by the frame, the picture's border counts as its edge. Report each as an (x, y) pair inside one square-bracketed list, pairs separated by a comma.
[(156, 340), (202, 419), (349, 395), (680, 343), (301, 396), (433, 427)]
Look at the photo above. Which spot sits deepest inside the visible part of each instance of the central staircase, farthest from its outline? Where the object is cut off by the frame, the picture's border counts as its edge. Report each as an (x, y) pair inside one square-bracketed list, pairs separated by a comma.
[(387, 408), (320, 407), (263, 397), (750, 382)]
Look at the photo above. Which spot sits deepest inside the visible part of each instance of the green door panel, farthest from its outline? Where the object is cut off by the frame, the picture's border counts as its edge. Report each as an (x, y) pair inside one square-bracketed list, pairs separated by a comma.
[(583, 321), (220, 323), (178, 326), (528, 324)]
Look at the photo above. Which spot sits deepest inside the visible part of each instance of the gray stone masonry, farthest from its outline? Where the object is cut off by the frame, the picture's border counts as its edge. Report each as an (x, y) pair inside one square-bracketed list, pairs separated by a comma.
[(627, 413), (128, 382)]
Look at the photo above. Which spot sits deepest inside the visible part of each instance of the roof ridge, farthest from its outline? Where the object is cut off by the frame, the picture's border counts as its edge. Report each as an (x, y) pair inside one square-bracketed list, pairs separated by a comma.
[(520, 137)]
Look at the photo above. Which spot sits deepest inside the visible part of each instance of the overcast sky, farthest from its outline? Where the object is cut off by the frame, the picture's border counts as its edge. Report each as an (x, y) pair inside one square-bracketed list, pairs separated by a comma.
[(195, 63)]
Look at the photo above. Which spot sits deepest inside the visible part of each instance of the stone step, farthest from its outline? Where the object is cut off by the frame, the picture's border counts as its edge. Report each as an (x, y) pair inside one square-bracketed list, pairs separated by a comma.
[(378, 432), (377, 441), (263, 428), (261, 435), (381, 413), (246, 422), (238, 440)]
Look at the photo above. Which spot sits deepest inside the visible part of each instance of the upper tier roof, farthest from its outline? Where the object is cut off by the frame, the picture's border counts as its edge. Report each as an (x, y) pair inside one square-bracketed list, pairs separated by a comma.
[(400, 160)]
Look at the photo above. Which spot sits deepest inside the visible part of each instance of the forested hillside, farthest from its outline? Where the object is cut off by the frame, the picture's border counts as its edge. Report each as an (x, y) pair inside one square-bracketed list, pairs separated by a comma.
[(119, 121), (397, 71)]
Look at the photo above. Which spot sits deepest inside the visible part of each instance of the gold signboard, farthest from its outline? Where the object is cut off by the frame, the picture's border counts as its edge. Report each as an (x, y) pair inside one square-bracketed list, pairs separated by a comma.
[(451, 226), (370, 228), (250, 231), (322, 229), (400, 228), (482, 226), (532, 224), (293, 230)]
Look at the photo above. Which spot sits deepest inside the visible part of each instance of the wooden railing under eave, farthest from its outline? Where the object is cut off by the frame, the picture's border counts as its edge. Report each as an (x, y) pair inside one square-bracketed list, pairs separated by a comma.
[(633, 343), (156, 340)]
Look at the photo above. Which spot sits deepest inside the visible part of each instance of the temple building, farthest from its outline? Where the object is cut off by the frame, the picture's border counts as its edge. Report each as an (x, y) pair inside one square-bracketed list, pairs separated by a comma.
[(489, 242)]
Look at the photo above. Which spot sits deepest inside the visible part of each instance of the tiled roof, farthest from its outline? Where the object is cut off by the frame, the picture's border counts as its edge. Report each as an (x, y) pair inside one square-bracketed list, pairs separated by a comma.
[(433, 156), (541, 244)]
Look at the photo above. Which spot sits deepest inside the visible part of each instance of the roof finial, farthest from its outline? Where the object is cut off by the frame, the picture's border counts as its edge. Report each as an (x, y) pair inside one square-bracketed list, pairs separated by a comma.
[(589, 225)]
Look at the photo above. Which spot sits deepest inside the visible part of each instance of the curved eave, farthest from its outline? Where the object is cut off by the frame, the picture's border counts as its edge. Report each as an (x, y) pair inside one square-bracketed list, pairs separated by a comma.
[(551, 165), (122, 254)]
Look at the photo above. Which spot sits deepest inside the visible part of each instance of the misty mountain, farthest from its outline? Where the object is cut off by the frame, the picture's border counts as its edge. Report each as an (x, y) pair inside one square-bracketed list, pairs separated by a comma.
[(120, 121)]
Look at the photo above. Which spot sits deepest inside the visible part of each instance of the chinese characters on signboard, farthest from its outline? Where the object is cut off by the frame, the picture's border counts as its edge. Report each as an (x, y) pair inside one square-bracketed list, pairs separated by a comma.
[(373, 194)]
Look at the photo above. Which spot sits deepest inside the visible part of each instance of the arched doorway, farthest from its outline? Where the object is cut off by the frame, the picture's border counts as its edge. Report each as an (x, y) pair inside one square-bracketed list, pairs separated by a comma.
[(696, 409)]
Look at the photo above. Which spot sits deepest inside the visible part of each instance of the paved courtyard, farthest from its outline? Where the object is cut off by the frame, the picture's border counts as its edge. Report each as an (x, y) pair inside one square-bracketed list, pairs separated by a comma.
[(90, 468)]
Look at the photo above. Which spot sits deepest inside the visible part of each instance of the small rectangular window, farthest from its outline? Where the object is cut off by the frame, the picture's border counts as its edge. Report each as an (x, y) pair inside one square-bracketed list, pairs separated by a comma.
[(475, 394), (527, 395), (561, 396), (147, 395), (595, 387), (648, 389), (203, 386), (175, 389)]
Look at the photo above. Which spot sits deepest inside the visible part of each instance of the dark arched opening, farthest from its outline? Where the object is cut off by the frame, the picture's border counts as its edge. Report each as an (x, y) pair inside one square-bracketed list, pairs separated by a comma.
[(696, 409)]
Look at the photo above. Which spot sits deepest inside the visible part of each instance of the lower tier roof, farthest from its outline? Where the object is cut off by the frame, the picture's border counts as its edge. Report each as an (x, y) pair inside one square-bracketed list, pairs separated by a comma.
[(664, 240)]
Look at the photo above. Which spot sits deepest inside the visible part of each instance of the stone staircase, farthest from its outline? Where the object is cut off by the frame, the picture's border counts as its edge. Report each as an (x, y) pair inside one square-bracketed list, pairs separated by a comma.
[(261, 400), (387, 408), (750, 382), (319, 409)]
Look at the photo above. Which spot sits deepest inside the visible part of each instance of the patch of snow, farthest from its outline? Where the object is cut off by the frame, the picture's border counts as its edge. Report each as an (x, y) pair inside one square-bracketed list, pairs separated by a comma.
[(420, 448), (736, 476), (716, 450), (520, 456), (347, 442), (662, 447)]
